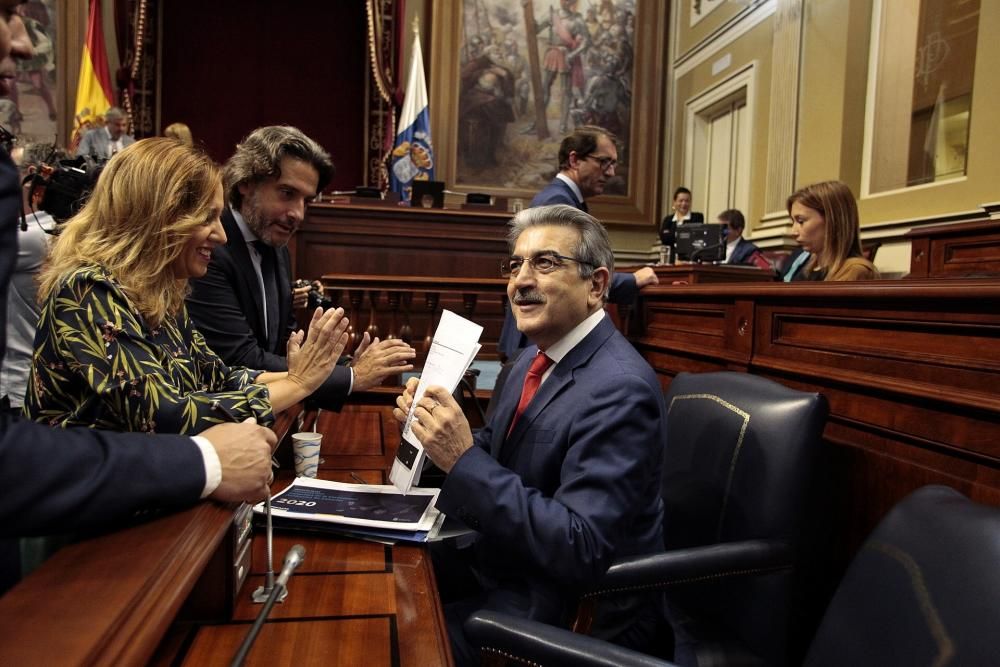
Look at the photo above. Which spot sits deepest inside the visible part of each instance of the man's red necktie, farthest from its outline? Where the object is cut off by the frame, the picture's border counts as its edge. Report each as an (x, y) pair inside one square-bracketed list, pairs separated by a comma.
[(532, 380)]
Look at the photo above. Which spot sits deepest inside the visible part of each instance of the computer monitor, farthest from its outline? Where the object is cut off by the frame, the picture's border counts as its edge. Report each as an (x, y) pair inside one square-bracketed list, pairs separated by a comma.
[(706, 243)]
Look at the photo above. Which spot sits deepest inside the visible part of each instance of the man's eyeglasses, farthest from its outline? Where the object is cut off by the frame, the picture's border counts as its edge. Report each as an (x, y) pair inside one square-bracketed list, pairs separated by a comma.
[(544, 263), (605, 162)]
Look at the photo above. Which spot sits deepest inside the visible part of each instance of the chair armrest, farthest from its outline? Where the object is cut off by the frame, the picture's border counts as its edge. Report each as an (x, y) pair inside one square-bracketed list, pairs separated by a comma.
[(696, 564), (520, 639)]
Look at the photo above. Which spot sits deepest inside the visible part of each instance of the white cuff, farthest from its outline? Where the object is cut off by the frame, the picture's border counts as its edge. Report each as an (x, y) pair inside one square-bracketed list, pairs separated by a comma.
[(213, 466), (350, 386)]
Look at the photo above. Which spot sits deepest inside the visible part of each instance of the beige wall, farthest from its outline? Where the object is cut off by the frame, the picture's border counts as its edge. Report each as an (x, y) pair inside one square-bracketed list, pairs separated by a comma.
[(833, 86)]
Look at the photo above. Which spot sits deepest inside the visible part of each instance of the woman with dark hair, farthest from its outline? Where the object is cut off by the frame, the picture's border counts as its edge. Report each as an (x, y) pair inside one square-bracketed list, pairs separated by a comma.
[(680, 215), (115, 348), (825, 223)]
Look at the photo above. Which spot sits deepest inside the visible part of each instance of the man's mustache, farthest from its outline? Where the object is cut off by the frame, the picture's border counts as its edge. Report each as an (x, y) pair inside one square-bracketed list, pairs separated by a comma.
[(524, 298)]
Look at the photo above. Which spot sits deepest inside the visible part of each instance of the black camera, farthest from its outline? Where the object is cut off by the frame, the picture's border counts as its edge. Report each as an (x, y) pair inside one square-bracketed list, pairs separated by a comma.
[(316, 296), (66, 186)]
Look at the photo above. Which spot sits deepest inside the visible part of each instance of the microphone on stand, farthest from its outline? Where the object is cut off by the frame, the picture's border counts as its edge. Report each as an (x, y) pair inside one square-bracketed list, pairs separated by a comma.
[(293, 559)]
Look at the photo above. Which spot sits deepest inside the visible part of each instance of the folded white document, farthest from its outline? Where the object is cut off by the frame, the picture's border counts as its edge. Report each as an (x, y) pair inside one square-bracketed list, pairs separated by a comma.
[(455, 346)]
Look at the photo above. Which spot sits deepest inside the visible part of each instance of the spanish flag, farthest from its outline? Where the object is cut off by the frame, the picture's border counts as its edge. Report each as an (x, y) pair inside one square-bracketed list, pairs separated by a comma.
[(94, 93)]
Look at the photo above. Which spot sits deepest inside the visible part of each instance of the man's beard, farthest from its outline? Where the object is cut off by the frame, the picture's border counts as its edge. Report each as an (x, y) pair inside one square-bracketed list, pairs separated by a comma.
[(256, 221)]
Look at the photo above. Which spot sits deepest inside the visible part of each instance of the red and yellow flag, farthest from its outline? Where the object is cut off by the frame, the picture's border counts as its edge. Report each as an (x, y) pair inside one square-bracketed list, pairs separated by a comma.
[(94, 94)]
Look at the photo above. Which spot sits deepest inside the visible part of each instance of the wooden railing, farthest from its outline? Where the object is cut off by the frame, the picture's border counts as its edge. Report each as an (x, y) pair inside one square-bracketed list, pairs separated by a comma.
[(409, 307)]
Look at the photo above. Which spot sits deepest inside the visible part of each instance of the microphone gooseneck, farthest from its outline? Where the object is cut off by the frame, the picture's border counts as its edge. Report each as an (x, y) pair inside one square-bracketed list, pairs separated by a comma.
[(293, 559)]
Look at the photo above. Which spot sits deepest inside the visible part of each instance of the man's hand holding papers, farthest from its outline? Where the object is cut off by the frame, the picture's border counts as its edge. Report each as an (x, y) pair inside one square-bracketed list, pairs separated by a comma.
[(455, 345), (440, 424)]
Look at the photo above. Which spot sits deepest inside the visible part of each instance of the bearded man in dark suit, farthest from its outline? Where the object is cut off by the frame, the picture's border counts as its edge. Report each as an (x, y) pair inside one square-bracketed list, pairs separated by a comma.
[(244, 303)]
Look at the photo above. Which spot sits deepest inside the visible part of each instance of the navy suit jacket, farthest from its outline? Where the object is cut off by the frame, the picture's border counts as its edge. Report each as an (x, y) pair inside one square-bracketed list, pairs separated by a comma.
[(742, 252), (623, 288), (576, 484), (228, 309), (558, 192)]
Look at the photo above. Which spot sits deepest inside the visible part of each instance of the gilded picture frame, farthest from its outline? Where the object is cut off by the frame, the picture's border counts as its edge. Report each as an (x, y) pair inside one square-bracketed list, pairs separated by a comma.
[(602, 63)]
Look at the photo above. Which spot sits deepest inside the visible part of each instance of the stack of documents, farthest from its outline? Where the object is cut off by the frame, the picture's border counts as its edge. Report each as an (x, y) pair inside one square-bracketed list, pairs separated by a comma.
[(369, 511)]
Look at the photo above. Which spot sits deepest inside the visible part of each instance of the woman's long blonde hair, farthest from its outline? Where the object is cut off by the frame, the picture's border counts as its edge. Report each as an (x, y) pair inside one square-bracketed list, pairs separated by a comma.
[(146, 204), (842, 233)]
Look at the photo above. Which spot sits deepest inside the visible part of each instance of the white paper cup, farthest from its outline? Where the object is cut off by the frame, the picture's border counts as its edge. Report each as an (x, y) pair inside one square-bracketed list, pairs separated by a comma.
[(305, 447)]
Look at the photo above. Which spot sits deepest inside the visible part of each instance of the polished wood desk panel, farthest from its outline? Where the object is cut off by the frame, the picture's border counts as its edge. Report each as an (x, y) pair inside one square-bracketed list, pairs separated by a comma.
[(121, 599), (387, 240), (955, 250), (911, 369), (349, 603), (704, 274)]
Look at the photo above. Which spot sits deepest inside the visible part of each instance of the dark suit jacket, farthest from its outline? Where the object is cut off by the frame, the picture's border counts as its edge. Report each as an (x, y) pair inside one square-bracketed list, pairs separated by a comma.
[(575, 485), (623, 288), (742, 252), (227, 307), (558, 192), (60, 480)]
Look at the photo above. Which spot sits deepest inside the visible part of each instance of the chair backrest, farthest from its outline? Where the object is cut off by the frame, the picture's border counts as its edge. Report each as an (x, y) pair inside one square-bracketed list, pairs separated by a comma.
[(738, 461), (923, 590), (739, 455)]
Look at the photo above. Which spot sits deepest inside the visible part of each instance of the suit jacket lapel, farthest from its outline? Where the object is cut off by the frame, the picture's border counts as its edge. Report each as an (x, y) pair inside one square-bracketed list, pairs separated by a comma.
[(237, 245), (284, 271), (560, 379)]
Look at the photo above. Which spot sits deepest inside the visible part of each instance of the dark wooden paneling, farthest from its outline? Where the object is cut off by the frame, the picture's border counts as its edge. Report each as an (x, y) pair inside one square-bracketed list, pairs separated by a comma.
[(400, 241), (956, 250), (911, 370)]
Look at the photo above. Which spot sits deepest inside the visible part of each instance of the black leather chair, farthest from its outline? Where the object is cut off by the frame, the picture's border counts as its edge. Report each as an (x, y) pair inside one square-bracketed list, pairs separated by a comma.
[(923, 590), (738, 460)]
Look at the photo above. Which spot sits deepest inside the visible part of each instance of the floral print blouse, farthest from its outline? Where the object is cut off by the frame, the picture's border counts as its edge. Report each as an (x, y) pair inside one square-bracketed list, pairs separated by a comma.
[(98, 364)]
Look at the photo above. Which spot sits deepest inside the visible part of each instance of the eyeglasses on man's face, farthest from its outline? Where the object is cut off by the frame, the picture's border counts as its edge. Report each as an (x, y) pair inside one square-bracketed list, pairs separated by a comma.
[(545, 262), (606, 163)]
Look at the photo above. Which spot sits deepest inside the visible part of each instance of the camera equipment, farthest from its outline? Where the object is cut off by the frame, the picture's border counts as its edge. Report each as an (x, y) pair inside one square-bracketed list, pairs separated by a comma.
[(65, 187), (316, 296), (701, 242)]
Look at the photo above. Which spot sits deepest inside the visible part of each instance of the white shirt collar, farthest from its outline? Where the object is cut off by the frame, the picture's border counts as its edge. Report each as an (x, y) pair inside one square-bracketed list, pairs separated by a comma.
[(572, 186), (562, 347), (731, 247)]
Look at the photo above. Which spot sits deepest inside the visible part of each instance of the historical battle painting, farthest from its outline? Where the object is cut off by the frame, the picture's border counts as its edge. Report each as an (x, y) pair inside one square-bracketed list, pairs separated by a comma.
[(530, 72)]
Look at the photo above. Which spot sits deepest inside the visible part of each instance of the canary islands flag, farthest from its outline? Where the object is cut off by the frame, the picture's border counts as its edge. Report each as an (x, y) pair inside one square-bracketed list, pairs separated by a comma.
[(413, 155), (93, 93)]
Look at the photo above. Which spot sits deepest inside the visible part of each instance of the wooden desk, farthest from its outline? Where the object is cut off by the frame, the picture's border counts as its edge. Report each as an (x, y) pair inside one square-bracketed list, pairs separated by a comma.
[(705, 274), (911, 369), (955, 250), (400, 241), (121, 599)]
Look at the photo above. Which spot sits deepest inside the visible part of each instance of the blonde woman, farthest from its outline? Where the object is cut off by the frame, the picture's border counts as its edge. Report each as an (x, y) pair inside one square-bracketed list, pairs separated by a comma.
[(180, 132), (825, 223), (115, 348)]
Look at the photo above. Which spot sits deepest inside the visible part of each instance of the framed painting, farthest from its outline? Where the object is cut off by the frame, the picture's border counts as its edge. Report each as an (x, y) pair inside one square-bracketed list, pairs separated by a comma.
[(510, 78)]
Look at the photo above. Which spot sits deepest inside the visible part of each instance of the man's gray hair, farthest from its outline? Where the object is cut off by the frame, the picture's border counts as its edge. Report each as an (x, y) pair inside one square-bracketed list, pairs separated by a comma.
[(594, 247), (258, 157), (114, 113)]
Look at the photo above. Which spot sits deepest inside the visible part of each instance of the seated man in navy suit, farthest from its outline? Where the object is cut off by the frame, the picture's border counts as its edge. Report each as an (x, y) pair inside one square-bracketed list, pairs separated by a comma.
[(243, 305), (738, 249), (565, 475), (587, 159)]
